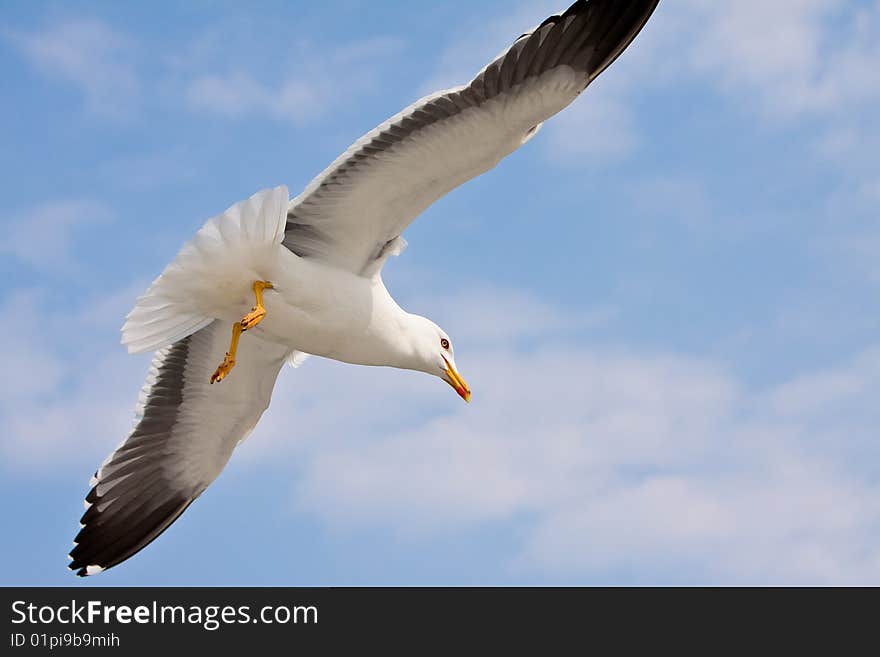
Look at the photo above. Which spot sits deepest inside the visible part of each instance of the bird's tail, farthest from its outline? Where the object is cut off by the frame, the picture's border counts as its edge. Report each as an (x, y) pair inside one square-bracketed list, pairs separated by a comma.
[(212, 275)]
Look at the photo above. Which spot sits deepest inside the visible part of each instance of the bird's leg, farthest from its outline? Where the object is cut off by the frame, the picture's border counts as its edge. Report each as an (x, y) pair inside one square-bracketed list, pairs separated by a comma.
[(254, 317), (258, 312), (229, 361)]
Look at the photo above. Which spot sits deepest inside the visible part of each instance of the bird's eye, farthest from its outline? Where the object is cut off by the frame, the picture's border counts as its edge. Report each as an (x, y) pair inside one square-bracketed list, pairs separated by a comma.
[(444, 343)]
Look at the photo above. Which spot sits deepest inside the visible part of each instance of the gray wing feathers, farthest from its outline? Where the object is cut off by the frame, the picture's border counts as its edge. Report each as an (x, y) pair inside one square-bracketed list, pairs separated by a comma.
[(586, 38), (184, 434)]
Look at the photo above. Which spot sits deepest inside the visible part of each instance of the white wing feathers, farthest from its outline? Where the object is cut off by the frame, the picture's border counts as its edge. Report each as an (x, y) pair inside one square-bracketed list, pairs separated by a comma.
[(184, 434), (350, 216), (372, 192)]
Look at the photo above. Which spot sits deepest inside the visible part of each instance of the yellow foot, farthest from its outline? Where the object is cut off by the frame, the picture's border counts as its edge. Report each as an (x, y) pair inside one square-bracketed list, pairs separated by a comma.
[(224, 369)]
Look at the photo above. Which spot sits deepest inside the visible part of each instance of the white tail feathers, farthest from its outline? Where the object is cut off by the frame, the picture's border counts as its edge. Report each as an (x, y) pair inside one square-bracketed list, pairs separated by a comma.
[(212, 273)]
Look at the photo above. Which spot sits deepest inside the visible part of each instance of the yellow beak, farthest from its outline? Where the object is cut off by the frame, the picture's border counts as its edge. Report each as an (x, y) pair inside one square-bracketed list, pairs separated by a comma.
[(454, 379)]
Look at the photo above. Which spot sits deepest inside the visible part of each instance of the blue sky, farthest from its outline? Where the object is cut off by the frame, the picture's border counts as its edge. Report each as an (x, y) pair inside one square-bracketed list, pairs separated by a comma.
[(667, 303)]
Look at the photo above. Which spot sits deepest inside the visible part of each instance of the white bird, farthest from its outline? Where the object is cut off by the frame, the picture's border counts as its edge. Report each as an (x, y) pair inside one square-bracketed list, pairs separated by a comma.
[(313, 266)]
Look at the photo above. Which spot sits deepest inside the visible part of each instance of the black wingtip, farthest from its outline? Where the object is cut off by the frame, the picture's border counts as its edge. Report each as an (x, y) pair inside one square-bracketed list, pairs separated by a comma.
[(624, 28), (111, 535), (77, 567)]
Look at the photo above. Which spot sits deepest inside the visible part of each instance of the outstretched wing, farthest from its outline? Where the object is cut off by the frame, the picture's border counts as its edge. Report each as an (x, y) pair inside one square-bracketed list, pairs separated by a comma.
[(352, 212), (185, 432)]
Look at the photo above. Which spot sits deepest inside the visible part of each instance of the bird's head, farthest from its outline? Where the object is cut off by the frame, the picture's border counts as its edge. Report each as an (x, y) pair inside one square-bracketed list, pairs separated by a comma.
[(435, 354)]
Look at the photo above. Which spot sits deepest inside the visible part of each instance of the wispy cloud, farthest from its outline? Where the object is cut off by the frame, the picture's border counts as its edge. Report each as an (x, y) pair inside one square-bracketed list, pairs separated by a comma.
[(588, 133), (595, 133), (64, 400), (790, 58), (301, 82), (650, 463), (44, 236), (863, 252), (477, 39), (150, 170), (795, 59), (793, 63), (92, 56), (309, 87), (610, 461), (237, 94), (613, 463), (511, 317)]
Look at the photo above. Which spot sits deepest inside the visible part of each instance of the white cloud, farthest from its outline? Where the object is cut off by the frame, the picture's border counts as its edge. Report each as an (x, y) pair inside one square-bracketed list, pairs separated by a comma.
[(91, 55), (237, 94), (818, 394), (537, 422), (801, 59), (62, 396), (670, 199), (589, 133), (213, 75), (594, 133), (33, 371), (43, 237), (786, 58), (613, 463), (64, 401), (150, 170), (662, 466), (513, 315), (476, 39), (310, 86), (799, 524), (863, 251), (75, 423)]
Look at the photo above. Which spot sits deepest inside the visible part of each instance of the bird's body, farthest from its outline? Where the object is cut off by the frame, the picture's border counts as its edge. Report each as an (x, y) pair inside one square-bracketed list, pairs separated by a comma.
[(322, 310), (314, 307), (325, 311), (313, 266)]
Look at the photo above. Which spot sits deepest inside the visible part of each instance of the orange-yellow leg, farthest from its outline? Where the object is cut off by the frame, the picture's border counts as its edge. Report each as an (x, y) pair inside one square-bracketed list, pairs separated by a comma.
[(249, 321), (258, 312), (229, 362)]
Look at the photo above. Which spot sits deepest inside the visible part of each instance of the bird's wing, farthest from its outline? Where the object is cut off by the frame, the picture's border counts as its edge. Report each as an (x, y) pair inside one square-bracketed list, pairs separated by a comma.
[(184, 434), (353, 212)]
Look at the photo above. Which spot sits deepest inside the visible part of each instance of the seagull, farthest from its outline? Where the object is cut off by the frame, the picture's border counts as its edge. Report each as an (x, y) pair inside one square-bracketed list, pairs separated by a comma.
[(304, 277)]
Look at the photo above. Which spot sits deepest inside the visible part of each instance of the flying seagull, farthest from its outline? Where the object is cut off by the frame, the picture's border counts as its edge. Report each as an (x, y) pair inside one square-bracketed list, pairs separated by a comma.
[(304, 276)]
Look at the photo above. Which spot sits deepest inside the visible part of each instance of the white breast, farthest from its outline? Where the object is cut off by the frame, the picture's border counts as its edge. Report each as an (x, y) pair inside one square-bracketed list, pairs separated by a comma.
[(322, 310)]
